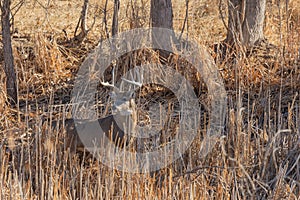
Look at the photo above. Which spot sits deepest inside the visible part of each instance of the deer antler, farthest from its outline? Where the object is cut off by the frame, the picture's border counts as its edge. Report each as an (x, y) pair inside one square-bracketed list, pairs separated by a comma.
[(107, 84), (139, 77), (113, 80), (132, 82)]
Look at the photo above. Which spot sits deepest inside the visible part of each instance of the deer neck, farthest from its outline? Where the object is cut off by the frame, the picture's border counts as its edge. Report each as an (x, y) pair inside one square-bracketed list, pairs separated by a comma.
[(126, 123)]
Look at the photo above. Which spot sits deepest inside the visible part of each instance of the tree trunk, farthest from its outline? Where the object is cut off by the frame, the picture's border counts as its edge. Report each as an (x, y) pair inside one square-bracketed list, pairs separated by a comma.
[(115, 25), (82, 24), (235, 20), (254, 21), (162, 14), (162, 17), (245, 22), (9, 69)]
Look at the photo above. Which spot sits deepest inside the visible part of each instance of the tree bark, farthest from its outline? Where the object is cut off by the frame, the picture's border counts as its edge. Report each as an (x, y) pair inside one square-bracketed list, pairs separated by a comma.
[(9, 69), (115, 24), (162, 17), (235, 20), (254, 21), (162, 14), (245, 22)]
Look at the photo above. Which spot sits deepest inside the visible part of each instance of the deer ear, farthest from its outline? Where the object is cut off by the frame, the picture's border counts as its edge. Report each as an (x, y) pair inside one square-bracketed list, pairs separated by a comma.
[(112, 94)]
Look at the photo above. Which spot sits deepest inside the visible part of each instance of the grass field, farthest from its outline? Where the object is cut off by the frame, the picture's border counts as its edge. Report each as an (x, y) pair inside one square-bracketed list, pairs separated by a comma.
[(257, 157)]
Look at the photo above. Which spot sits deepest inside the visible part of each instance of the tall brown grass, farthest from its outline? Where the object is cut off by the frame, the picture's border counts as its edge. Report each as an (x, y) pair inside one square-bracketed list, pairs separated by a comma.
[(257, 157)]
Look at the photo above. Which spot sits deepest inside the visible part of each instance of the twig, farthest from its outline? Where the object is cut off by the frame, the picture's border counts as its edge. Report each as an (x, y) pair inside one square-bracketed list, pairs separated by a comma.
[(82, 23), (105, 19), (185, 18)]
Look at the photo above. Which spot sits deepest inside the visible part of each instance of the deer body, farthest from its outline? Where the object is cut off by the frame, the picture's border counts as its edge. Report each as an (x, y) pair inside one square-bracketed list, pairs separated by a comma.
[(119, 127)]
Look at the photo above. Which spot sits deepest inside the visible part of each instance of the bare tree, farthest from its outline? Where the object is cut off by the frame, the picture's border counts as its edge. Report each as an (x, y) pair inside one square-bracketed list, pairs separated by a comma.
[(162, 17), (82, 24), (115, 24), (254, 22), (245, 21), (9, 69), (162, 13), (235, 19)]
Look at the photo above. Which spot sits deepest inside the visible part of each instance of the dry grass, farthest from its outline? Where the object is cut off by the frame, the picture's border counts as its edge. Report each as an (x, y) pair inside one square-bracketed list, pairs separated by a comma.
[(258, 157)]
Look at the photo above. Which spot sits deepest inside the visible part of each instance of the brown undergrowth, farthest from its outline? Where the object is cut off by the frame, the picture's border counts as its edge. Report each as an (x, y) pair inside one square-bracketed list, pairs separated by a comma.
[(256, 157)]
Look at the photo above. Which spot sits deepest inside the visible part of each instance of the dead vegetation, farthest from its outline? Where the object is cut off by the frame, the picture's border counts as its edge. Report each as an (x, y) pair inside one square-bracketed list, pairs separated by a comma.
[(257, 157)]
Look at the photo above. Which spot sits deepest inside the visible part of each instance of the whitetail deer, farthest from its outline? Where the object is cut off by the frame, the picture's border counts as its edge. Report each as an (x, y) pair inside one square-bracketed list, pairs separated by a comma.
[(118, 126)]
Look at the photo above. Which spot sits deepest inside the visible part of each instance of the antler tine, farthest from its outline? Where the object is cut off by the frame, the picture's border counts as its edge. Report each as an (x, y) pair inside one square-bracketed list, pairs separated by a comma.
[(107, 84), (110, 85), (132, 82), (139, 83), (113, 80)]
